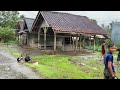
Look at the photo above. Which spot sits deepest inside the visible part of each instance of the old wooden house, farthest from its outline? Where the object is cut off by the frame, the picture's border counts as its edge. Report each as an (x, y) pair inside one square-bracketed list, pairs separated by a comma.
[(61, 31), (23, 29)]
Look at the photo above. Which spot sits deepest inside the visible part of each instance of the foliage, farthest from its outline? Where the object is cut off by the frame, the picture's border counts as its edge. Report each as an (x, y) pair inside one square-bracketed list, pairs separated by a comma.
[(6, 34), (8, 18), (22, 16), (108, 28), (108, 41)]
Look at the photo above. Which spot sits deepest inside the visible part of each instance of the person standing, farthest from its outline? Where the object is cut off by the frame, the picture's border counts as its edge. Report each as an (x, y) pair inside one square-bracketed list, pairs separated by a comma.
[(103, 50), (109, 70)]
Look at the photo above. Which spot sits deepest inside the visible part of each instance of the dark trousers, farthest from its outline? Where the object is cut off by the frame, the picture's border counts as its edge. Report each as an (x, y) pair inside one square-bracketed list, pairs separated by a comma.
[(107, 75)]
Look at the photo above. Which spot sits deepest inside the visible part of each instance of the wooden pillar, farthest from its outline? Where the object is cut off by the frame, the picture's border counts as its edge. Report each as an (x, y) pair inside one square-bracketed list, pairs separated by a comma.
[(70, 42), (39, 46), (73, 43), (83, 42), (63, 43), (94, 42), (70, 39), (45, 30), (24, 38), (79, 43), (90, 41), (76, 45), (27, 38), (18, 39), (54, 42), (32, 40)]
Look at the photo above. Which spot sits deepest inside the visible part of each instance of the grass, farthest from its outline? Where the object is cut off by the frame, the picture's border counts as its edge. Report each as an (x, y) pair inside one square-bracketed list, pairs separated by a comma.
[(8, 43), (61, 66), (97, 47), (58, 66), (90, 64)]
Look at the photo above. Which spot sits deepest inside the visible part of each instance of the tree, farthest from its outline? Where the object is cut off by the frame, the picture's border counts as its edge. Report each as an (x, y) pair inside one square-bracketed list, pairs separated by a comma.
[(94, 21), (9, 18), (6, 34), (22, 16), (108, 28)]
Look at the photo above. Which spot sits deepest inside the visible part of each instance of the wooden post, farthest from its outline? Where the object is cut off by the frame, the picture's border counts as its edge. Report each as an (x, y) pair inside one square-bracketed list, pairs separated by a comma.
[(54, 42), (70, 42), (18, 39), (90, 41), (32, 40), (73, 43), (63, 43), (27, 38), (45, 30), (76, 45), (83, 42), (39, 39), (70, 39), (79, 43), (94, 42)]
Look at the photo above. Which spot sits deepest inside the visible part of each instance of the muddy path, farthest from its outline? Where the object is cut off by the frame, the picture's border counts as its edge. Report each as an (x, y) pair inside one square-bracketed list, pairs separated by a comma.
[(11, 69)]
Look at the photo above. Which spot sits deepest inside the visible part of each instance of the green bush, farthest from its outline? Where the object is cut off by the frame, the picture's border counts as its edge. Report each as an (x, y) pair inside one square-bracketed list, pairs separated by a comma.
[(6, 34)]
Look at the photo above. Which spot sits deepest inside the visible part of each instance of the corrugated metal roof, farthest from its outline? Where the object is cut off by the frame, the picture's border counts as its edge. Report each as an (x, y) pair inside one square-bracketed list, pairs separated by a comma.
[(64, 22)]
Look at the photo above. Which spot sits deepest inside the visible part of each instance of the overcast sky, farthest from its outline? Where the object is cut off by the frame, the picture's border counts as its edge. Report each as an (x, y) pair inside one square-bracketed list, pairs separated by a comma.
[(102, 17)]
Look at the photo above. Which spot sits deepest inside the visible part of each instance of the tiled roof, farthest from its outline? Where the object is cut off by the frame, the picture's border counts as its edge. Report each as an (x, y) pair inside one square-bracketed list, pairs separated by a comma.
[(29, 22), (65, 22)]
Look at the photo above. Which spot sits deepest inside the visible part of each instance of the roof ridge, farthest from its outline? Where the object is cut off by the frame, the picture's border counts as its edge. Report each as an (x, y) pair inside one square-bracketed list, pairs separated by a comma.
[(64, 13), (29, 18)]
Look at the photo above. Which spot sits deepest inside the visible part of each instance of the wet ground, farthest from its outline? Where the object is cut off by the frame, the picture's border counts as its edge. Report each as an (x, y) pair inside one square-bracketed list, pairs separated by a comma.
[(11, 69)]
